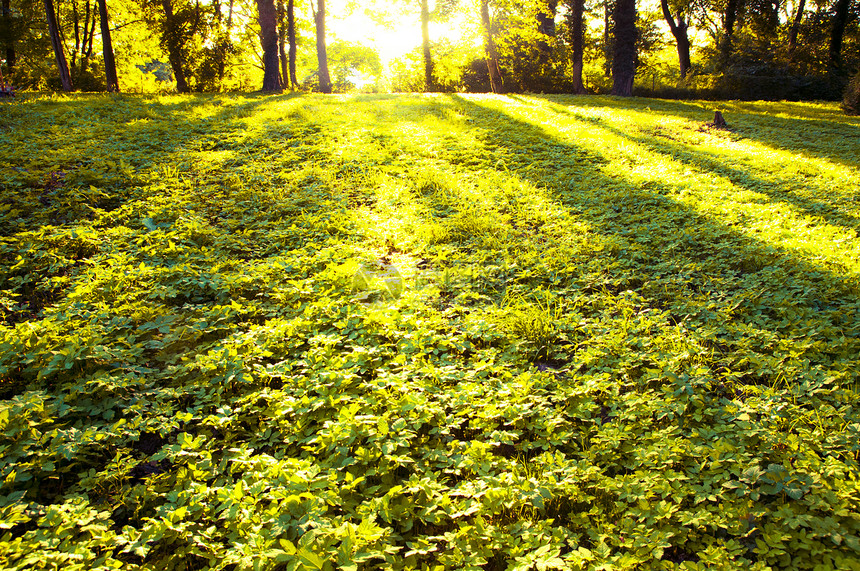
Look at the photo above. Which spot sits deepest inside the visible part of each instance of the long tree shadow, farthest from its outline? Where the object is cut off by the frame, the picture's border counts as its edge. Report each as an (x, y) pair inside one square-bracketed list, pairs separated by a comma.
[(762, 315), (110, 163), (107, 144), (736, 286), (779, 190), (811, 132)]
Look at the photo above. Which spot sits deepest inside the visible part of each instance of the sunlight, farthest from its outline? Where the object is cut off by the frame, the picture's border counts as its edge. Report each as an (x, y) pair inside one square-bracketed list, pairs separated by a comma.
[(398, 36)]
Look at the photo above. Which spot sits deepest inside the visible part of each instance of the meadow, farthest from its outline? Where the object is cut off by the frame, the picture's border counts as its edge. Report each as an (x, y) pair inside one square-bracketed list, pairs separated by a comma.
[(428, 332)]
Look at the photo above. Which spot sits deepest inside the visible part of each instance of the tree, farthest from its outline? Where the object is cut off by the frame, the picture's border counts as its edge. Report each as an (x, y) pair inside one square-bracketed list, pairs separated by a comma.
[(608, 36), (282, 44), (546, 26), (840, 20), (679, 31), (322, 57), (10, 43), (222, 46), (83, 40), (795, 29), (576, 29), (269, 38), (107, 49), (624, 54), (57, 44), (291, 40), (425, 46), (729, 19), (492, 55), (349, 62), (175, 33)]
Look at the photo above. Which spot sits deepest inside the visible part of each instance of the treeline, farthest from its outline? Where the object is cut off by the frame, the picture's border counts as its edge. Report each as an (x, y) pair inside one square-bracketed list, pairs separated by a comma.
[(748, 49)]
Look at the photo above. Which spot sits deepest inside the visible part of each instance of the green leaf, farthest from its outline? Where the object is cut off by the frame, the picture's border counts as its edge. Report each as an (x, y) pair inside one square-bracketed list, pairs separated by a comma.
[(287, 546), (310, 558)]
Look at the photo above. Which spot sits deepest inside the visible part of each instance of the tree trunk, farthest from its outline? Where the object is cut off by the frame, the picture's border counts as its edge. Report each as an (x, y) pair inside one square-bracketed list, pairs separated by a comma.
[(608, 36), (795, 29), (76, 25), (88, 53), (576, 9), (107, 49), (496, 83), (679, 30), (57, 44), (10, 47), (322, 56), (728, 32), (840, 19), (79, 49), (624, 57), (429, 84), (282, 44), (291, 38), (172, 41), (267, 17)]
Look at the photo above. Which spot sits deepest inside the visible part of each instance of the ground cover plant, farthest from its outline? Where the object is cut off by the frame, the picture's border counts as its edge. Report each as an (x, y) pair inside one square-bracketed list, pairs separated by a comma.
[(428, 332)]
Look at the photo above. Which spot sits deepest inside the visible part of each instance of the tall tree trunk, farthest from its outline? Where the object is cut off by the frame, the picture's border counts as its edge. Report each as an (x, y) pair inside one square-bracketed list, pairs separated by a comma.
[(322, 56), (729, 20), (575, 23), (172, 40), (679, 30), (608, 36), (624, 57), (76, 25), (837, 32), (11, 57), (107, 49), (429, 84), (282, 43), (492, 56), (268, 19), (795, 29), (291, 38), (88, 52), (57, 44)]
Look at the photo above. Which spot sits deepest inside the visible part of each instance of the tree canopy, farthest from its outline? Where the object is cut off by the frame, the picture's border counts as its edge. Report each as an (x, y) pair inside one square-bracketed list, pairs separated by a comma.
[(741, 49)]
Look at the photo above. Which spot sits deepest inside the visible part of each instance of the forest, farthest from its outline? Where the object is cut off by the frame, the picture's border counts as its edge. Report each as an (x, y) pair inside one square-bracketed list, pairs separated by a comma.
[(715, 49)]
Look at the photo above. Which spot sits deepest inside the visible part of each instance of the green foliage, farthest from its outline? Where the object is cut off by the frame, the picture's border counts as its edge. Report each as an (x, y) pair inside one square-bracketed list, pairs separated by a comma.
[(351, 64), (427, 332)]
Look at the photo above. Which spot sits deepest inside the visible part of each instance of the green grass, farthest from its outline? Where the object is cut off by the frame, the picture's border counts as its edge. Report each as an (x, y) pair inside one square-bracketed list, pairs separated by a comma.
[(428, 332)]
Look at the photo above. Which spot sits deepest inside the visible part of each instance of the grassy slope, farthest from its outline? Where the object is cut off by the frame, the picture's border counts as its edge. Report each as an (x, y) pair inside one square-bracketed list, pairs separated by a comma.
[(398, 331)]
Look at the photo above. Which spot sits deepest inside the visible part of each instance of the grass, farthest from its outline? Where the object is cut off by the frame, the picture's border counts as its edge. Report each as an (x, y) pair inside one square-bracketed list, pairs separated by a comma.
[(424, 332)]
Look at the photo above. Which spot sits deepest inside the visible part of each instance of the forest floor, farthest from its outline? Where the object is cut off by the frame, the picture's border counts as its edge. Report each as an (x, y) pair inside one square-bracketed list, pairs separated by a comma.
[(428, 332)]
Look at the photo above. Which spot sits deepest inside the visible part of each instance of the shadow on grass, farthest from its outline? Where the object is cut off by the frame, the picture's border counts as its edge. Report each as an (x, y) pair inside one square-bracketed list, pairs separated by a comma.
[(801, 128), (779, 190), (736, 289)]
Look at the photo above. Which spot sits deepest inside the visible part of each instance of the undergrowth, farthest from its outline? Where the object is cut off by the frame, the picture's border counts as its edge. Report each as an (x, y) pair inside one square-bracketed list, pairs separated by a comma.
[(428, 332)]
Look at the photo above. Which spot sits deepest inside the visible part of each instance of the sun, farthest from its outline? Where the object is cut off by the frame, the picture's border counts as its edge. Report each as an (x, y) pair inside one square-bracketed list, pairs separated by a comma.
[(398, 35)]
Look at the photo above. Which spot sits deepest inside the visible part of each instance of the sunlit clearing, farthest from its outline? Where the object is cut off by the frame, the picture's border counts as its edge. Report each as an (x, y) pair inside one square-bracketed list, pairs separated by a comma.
[(398, 34)]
